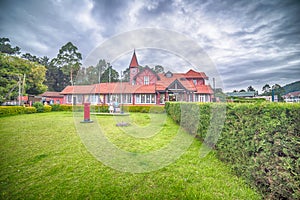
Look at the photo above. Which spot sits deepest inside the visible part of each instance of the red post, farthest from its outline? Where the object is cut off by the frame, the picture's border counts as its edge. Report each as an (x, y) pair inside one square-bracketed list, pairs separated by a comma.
[(87, 113)]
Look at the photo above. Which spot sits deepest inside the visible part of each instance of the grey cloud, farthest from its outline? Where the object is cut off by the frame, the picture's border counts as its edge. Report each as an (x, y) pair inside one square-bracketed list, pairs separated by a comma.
[(263, 36)]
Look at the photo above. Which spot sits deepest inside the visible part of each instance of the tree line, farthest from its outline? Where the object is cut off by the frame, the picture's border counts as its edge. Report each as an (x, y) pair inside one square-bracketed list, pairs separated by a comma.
[(267, 90), (42, 73)]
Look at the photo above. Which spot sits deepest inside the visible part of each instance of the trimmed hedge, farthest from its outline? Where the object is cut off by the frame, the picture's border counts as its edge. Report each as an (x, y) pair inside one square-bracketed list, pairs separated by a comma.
[(246, 100), (144, 109), (11, 110), (39, 107), (29, 110), (260, 141)]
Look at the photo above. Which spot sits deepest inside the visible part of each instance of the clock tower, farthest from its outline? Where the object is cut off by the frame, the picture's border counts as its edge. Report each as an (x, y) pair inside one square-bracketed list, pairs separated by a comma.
[(133, 68)]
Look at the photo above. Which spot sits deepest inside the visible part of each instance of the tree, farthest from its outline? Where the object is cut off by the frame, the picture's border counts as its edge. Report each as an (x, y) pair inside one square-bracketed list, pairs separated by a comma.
[(5, 47), (101, 66), (250, 89), (68, 60), (88, 75), (110, 75), (13, 69), (242, 90), (44, 61), (30, 57), (278, 90), (126, 75), (266, 88), (158, 69), (93, 75)]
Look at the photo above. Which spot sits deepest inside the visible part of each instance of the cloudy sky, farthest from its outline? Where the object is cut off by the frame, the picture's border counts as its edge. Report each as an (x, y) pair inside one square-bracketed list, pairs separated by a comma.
[(249, 42)]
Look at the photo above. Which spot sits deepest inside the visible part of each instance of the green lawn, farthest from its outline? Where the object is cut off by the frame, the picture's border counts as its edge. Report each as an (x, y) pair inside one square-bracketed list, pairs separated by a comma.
[(42, 157)]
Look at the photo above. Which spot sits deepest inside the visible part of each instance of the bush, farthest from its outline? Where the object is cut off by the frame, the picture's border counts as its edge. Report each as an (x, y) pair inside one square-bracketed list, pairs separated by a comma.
[(99, 108), (260, 141), (30, 110), (47, 108), (56, 107), (39, 107), (143, 109), (65, 108), (11, 110)]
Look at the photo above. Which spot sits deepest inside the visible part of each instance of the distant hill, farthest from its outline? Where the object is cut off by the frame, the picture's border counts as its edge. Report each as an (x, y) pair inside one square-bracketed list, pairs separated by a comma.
[(292, 87)]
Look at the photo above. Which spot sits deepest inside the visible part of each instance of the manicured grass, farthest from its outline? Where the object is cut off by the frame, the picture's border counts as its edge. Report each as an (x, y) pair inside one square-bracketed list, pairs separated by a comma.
[(42, 157)]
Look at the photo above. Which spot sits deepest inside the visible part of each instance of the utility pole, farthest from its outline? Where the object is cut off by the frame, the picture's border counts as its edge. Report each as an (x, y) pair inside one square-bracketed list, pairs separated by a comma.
[(121, 107), (23, 85), (19, 90)]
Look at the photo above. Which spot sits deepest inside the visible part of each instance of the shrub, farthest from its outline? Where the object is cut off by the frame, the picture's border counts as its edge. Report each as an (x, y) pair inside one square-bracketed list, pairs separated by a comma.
[(143, 109), (260, 141), (39, 107), (11, 110), (99, 108), (47, 108), (56, 107), (30, 110), (65, 108)]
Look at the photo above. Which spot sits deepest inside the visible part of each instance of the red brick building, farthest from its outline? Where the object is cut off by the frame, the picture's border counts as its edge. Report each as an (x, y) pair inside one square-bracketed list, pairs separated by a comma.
[(145, 87), (52, 98)]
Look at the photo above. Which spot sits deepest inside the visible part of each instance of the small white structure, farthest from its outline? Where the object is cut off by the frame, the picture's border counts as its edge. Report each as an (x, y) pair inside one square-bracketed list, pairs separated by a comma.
[(292, 97)]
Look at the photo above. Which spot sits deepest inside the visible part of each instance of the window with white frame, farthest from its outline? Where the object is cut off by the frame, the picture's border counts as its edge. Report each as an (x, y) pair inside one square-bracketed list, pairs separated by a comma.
[(200, 98), (93, 99), (79, 98), (69, 99), (146, 80), (126, 98), (190, 97), (145, 98)]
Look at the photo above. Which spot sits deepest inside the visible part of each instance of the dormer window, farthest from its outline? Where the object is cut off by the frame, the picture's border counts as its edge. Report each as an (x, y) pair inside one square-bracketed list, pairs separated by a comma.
[(168, 74), (146, 80), (195, 81)]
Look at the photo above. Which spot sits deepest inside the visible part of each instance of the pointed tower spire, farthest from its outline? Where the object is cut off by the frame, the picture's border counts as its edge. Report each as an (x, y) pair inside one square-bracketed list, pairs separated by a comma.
[(133, 62), (133, 67)]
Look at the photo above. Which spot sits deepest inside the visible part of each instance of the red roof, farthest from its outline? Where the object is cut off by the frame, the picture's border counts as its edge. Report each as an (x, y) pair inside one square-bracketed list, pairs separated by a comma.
[(133, 62), (79, 89), (193, 74), (163, 82), (149, 89), (204, 89)]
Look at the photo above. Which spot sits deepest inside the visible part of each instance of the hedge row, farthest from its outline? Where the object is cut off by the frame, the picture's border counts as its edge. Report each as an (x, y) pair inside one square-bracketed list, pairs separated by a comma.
[(11, 110), (39, 107), (144, 109), (246, 100), (260, 141)]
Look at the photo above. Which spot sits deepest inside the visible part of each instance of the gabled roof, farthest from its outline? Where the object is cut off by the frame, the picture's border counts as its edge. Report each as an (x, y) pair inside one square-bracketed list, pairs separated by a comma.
[(183, 83), (146, 68), (133, 62), (193, 74), (165, 82)]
